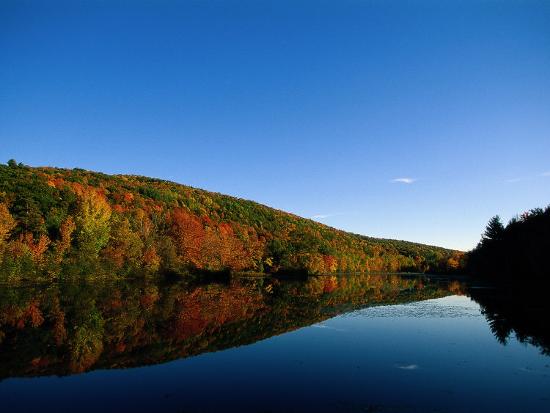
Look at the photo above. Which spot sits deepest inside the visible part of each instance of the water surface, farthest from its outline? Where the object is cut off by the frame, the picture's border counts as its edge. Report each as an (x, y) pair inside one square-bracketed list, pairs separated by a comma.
[(368, 343)]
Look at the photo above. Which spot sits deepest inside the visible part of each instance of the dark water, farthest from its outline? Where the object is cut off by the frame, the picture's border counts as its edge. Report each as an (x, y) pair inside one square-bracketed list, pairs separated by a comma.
[(369, 343)]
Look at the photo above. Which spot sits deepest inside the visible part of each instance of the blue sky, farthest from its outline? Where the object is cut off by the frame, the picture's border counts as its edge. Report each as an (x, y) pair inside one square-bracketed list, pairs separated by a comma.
[(409, 120)]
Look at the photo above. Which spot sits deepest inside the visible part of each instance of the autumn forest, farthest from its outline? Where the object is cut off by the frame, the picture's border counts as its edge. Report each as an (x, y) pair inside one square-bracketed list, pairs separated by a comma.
[(57, 223)]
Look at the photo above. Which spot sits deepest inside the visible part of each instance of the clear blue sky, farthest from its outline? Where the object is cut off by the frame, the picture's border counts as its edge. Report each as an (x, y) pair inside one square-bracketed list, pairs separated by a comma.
[(313, 107)]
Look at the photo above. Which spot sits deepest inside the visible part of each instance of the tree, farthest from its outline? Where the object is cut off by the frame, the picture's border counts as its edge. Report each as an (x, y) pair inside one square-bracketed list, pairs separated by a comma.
[(37, 247), (331, 263), (188, 233), (64, 244), (7, 223), (151, 260), (494, 229), (125, 246), (92, 223)]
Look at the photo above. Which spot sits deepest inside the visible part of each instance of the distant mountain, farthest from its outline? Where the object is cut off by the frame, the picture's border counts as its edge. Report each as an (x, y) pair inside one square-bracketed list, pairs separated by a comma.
[(55, 222)]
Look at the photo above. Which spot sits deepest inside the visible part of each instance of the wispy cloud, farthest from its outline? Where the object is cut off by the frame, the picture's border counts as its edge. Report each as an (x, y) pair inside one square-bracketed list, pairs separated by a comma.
[(528, 178), (323, 216), (404, 180)]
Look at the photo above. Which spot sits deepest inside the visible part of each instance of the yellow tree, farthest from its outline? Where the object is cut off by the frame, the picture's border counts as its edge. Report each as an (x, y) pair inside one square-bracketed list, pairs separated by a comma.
[(125, 246), (92, 223), (7, 223)]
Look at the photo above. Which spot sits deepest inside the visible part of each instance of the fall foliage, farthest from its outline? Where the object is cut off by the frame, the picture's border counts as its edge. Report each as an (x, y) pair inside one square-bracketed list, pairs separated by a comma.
[(58, 223)]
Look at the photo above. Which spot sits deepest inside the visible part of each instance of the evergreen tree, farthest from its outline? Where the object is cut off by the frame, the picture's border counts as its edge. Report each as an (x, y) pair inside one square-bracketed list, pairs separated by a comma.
[(494, 229)]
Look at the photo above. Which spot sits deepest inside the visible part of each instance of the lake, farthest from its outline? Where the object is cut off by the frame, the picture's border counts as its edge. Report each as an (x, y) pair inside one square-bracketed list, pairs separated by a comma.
[(354, 343)]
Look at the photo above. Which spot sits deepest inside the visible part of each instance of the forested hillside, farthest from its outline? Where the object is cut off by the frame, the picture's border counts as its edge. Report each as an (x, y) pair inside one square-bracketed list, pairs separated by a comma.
[(60, 222)]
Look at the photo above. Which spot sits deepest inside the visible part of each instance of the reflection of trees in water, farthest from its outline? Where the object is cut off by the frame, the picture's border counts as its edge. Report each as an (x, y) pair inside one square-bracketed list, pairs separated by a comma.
[(75, 327), (516, 309)]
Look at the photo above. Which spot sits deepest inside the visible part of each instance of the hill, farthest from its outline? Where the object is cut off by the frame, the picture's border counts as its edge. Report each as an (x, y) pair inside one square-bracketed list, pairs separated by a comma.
[(56, 221)]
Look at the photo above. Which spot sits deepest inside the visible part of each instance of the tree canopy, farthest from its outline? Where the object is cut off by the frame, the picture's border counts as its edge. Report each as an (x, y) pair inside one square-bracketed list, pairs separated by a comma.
[(519, 249), (56, 222)]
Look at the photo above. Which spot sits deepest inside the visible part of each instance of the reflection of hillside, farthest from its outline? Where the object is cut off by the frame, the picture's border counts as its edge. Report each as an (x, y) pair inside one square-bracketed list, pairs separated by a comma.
[(516, 309), (68, 328)]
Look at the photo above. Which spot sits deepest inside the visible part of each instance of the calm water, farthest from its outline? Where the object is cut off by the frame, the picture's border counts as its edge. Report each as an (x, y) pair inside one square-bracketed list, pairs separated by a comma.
[(376, 343)]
